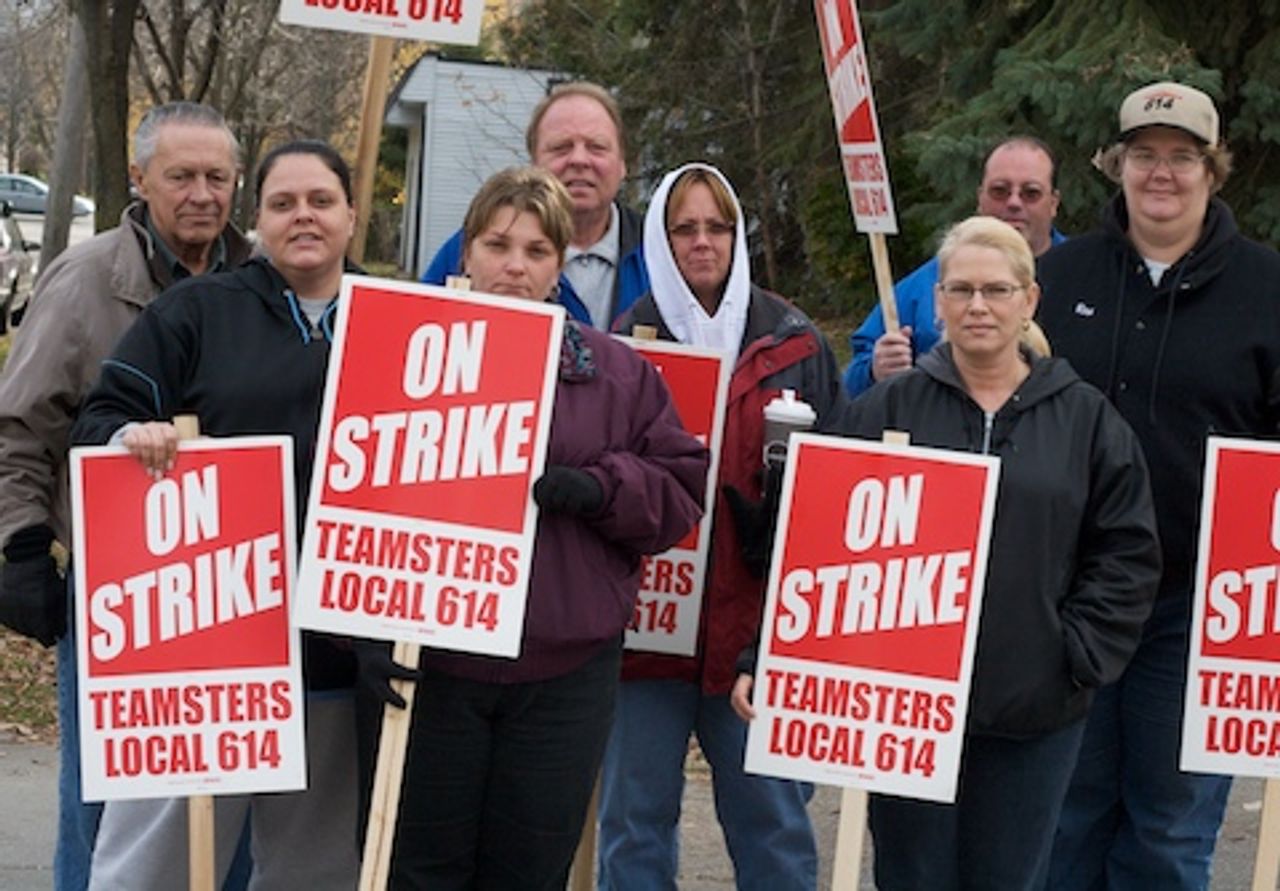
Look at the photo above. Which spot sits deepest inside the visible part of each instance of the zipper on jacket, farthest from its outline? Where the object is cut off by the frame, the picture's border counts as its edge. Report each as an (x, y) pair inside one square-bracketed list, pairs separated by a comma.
[(988, 420)]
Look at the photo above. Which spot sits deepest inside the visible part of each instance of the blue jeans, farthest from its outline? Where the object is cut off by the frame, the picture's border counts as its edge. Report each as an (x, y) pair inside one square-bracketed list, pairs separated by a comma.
[(997, 834), (765, 822), (1132, 819), (77, 821)]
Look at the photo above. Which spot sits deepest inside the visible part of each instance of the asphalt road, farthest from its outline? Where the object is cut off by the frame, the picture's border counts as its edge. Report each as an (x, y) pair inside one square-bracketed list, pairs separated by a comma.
[(28, 784)]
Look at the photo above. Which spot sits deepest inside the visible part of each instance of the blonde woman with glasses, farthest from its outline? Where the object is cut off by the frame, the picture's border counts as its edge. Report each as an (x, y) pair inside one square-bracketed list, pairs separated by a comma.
[(1073, 567)]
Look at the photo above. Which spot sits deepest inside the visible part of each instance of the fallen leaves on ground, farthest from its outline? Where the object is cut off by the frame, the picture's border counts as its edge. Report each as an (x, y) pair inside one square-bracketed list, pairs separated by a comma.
[(28, 703)]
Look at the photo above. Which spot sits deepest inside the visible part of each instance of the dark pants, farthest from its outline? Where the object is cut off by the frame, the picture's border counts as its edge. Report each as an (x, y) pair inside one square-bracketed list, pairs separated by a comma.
[(1133, 821), (997, 835), (498, 778)]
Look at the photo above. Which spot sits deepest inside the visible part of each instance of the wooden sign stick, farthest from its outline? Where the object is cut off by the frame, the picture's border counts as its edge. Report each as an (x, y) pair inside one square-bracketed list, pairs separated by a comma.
[(393, 748), (200, 826), (846, 867), (1266, 866), (371, 113), (388, 778), (884, 279), (200, 844)]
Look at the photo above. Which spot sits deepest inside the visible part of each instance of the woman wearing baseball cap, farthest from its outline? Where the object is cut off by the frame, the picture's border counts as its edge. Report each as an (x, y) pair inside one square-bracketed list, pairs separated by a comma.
[(1176, 316)]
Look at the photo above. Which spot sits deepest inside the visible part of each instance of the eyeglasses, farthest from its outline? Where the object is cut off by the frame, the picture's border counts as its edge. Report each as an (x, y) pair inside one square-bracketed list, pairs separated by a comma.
[(962, 292), (1146, 160), (1029, 193), (690, 230)]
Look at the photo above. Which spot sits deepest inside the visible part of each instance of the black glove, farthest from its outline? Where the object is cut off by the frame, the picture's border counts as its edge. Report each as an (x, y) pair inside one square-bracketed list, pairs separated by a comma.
[(755, 522), (33, 593), (568, 490), (377, 669)]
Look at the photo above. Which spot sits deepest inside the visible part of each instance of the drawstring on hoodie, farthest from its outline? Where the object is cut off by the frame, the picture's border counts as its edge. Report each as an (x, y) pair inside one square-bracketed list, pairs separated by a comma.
[(1114, 358), (326, 320), (296, 312), (324, 325), (1179, 271)]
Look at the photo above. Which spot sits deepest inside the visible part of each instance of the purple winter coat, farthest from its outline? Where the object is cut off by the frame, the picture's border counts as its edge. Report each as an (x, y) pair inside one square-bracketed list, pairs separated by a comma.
[(613, 418)]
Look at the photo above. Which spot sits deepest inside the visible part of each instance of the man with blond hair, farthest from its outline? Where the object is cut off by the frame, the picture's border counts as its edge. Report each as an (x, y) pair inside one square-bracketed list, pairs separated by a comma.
[(575, 132)]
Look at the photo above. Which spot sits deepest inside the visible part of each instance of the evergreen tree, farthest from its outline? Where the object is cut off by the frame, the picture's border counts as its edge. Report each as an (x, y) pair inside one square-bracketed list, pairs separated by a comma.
[(739, 83)]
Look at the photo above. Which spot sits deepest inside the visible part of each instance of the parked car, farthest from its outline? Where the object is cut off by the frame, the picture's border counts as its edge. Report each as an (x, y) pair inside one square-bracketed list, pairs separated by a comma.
[(26, 194), (19, 262)]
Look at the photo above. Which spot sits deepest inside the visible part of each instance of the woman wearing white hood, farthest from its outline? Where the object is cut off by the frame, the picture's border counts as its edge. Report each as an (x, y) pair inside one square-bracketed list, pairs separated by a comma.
[(696, 252)]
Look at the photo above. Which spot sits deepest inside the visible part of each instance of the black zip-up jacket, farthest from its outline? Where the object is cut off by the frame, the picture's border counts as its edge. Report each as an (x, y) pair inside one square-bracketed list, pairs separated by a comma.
[(1074, 559), (1197, 355), (236, 350)]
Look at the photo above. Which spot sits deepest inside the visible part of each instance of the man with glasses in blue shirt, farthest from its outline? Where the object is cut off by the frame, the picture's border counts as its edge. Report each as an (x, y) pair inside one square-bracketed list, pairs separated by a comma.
[(1017, 187)]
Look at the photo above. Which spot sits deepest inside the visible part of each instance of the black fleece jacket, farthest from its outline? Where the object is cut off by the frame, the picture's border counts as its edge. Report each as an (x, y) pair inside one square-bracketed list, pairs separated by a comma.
[(1196, 355), (1074, 559), (235, 350)]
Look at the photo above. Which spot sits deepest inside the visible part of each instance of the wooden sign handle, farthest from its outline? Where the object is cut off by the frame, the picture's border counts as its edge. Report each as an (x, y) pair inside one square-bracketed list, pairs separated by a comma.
[(200, 843), (200, 823), (388, 778), (884, 280), (846, 866), (372, 107), (1266, 866), (582, 871)]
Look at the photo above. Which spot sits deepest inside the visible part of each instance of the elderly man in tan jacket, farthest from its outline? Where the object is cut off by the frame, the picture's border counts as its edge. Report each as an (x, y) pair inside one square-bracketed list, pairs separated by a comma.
[(185, 167)]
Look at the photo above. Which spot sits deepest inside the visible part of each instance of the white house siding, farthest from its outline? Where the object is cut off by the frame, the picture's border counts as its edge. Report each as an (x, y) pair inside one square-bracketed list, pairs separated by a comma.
[(466, 121)]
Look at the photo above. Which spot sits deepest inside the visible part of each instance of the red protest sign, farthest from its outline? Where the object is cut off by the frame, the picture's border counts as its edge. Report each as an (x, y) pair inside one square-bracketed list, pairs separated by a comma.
[(669, 605), (190, 677), (871, 616), (844, 57), (1233, 674), (438, 21), (434, 425)]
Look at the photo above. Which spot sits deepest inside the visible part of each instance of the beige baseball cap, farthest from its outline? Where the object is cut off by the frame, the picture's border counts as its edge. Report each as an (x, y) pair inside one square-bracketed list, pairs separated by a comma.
[(1169, 104)]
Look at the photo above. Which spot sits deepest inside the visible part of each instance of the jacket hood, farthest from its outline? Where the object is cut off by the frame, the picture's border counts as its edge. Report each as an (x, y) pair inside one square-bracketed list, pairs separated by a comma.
[(683, 314), (1047, 378), (768, 316), (1206, 259), (260, 277), (1194, 270)]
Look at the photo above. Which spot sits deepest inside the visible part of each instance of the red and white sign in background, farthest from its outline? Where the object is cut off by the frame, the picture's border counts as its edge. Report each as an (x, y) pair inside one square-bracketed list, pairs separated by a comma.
[(871, 616), (1232, 712), (436, 416), (190, 679), (669, 607), (438, 21), (844, 55)]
